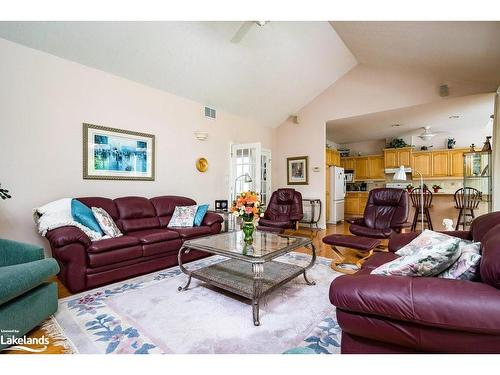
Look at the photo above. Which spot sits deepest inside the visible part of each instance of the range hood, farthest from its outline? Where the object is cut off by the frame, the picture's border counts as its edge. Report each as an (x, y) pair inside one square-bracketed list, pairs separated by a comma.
[(393, 170)]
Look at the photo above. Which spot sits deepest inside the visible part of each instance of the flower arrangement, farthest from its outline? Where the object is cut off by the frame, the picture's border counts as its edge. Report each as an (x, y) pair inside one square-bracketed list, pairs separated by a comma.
[(436, 188), (247, 205)]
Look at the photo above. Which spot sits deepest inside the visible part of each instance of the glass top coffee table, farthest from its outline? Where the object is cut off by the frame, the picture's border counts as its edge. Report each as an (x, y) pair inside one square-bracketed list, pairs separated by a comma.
[(250, 270)]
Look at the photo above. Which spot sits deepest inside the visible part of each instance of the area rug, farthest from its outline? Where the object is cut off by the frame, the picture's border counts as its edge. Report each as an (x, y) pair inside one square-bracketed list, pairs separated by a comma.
[(147, 315)]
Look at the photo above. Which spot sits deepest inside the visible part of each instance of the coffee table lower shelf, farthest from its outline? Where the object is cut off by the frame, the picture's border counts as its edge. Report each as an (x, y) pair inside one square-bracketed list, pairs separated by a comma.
[(249, 280)]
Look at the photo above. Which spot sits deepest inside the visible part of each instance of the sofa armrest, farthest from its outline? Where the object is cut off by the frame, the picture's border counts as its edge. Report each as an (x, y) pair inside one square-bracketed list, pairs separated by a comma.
[(356, 220), (13, 252), (17, 279), (63, 236), (397, 241), (448, 304), (211, 219)]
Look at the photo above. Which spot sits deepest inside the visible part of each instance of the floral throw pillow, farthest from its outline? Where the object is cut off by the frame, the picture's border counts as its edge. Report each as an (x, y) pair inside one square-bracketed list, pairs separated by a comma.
[(427, 238), (183, 216), (106, 222), (465, 268), (435, 253)]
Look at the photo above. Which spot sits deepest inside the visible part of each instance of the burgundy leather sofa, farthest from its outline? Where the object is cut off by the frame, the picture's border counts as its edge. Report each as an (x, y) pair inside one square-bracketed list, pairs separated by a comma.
[(394, 314), (284, 211), (146, 246)]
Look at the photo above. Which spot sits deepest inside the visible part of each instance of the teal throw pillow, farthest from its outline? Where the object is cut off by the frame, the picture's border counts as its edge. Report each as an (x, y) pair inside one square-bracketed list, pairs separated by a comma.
[(83, 215), (200, 214)]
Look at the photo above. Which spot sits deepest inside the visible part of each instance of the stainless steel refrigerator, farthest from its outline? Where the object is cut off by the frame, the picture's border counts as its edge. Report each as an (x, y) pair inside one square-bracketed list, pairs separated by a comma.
[(337, 195)]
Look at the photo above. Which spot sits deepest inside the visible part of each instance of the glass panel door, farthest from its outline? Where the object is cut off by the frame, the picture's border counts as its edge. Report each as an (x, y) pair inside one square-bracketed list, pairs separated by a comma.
[(265, 179), (245, 160)]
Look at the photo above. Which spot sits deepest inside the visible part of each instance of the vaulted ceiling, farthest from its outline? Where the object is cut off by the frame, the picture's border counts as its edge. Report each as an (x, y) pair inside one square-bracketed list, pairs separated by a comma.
[(276, 69), (269, 75)]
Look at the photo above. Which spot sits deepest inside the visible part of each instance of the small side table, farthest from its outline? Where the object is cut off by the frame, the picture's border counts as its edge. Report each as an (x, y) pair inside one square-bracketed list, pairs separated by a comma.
[(226, 214)]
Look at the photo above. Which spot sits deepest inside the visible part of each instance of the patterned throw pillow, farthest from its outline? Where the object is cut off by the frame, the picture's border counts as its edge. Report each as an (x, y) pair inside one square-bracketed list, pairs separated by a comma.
[(106, 222), (427, 238), (465, 268), (436, 252), (183, 216)]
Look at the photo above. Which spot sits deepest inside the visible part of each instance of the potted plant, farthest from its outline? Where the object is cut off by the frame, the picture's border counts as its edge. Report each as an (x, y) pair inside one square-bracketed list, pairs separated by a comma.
[(4, 193), (436, 188), (409, 188), (247, 205)]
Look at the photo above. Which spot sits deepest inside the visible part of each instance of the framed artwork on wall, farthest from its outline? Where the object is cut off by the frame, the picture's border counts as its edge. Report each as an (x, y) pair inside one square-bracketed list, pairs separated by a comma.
[(116, 154), (297, 170)]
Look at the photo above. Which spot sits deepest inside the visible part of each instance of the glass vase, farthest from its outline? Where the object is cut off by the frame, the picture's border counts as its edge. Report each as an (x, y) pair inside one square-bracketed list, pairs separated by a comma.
[(248, 227)]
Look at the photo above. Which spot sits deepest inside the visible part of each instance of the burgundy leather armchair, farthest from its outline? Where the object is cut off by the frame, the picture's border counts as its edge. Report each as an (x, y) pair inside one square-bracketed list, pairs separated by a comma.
[(386, 212), (147, 244), (284, 211), (395, 314)]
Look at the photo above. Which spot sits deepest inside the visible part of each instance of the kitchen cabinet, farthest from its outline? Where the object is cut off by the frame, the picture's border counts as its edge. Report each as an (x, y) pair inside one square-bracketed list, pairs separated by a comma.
[(422, 162), (456, 162), (440, 164), (361, 168), (376, 167), (355, 203), (395, 157), (347, 163), (332, 157)]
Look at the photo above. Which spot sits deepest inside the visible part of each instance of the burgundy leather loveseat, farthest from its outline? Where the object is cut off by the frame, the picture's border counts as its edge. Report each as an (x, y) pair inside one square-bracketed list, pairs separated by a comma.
[(394, 314), (146, 246)]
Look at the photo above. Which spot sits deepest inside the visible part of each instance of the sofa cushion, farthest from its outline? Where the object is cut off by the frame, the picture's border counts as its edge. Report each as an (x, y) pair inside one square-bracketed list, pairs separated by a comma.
[(170, 246), (114, 256), (192, 232), (490, 262), (165, 205), (364, 231), (466, 266), (149, 236), (106, 222), (183, 216), (200, 214), (83, 215), (275, 223), (105, 203), (112, 243), (136, 213)]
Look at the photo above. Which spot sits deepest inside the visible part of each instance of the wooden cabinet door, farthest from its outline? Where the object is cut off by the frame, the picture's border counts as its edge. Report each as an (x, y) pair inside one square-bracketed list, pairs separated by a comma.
[(456, 160), (422, 162), (376, 167), (440, 163), (335, 158), (349, 163), (328, 157), (391, 159), (363, 199), (327, 190), (361, 169), (343, 163), (351, 204), (404, 158)]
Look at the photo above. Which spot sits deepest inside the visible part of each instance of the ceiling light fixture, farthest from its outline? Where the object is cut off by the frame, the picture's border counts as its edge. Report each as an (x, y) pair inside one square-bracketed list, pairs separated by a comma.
[(201, 136), (261, 23), (454, 116), (396, 125)]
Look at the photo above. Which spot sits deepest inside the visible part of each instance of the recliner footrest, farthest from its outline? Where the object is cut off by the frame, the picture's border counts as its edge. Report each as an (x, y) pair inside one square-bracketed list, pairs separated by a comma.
[(353, 242)]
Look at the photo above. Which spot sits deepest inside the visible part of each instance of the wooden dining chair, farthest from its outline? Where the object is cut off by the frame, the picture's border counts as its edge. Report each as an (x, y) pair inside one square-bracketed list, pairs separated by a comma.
[(415, 201), (466, 201)]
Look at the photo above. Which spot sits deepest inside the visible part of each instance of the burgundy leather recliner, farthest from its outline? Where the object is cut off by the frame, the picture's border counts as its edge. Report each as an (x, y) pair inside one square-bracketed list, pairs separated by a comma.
[(284, 211), (147, 244), (386, 212), (395, 314)]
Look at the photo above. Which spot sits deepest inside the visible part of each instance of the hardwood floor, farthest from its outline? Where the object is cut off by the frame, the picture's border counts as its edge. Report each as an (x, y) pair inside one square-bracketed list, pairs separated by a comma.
[(321, 250)]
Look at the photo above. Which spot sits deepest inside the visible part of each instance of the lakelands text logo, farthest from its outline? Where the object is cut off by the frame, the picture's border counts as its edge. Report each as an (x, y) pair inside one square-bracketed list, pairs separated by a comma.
[(8, 337)]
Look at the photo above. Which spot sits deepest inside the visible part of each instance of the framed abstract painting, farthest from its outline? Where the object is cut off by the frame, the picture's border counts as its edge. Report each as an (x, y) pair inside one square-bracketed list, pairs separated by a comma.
[(297, 172), (116, 154)]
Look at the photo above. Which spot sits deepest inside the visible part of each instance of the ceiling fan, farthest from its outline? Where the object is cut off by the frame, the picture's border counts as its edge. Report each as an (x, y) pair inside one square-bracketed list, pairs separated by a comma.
[(427, 134), (245, 28)]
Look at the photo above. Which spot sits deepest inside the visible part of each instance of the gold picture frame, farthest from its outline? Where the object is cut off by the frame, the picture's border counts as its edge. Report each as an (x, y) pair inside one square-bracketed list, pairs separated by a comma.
[(117, 154), (297, 170)]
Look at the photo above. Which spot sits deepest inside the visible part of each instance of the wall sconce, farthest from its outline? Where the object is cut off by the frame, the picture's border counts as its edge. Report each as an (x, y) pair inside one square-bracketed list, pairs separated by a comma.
[(201, 136)]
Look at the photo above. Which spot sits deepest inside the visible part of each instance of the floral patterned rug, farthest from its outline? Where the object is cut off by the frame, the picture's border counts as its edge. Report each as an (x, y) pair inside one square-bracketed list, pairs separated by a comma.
[(147, 315)]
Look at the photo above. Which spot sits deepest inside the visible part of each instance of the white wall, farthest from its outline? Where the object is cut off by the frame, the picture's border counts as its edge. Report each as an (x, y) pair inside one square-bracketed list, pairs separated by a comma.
[(362, 90), (43, 102), (365, 148)]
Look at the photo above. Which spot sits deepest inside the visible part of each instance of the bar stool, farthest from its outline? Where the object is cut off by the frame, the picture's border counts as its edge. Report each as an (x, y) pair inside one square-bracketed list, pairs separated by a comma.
[(415, 200), (466, 199)]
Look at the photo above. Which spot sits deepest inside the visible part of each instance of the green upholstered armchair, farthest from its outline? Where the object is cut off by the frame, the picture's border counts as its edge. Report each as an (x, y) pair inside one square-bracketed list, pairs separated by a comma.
[(26, 298)]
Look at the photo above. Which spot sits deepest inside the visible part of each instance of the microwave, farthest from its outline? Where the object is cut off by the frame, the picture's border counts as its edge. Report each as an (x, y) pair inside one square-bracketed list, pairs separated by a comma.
[(349, 175)]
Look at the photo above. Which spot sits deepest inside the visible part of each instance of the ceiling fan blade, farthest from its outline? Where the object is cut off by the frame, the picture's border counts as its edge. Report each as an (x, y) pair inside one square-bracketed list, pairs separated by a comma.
[(242, 31)]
